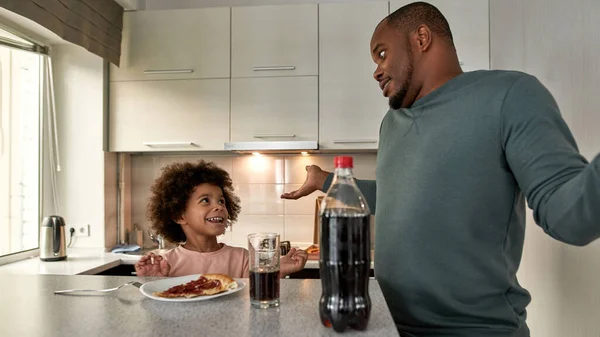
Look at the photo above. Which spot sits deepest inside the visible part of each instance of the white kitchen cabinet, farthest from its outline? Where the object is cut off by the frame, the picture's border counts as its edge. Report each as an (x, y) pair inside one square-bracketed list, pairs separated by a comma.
[(469, 23), (169, 115), (351, 105), (174, 44), (274, 41), (274, 109)]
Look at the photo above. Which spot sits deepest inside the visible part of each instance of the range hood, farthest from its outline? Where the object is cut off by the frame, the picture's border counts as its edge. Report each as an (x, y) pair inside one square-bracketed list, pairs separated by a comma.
[(272, 146)]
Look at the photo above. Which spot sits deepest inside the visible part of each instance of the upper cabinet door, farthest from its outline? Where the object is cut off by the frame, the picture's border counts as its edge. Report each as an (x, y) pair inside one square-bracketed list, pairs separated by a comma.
[(469, 23), (274, 109), (351, 105), (171, 115), (274, 41), (175, 44)]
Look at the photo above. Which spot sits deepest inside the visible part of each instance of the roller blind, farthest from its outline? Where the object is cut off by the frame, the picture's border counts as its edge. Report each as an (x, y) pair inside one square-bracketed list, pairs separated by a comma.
[(95, 25)]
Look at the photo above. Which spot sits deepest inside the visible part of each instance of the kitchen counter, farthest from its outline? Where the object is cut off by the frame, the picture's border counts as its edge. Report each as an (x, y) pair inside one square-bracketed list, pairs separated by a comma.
[(35, 311), (85, 261)]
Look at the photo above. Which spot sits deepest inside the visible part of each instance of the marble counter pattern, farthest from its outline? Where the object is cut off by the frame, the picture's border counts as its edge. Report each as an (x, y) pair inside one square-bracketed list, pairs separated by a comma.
[(35, 311)]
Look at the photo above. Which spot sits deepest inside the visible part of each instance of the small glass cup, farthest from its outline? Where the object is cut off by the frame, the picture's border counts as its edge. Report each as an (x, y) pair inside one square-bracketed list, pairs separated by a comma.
[(264, 253)]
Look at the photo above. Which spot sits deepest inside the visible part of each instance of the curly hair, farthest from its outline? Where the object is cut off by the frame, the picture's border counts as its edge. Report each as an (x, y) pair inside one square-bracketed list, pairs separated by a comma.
[(172, 190)]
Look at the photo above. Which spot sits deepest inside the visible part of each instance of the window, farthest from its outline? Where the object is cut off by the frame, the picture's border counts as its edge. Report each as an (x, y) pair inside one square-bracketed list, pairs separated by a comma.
[(21, 101)]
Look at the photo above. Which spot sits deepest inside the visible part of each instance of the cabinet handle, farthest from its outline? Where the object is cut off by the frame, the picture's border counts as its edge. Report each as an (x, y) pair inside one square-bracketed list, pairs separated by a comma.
[(273, 68), (169, 144), (168, 71), (274, 136), (355, 141)]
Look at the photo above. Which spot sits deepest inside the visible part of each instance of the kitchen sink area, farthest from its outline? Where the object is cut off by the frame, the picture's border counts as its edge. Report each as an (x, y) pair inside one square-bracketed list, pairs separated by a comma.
[(119, 270)]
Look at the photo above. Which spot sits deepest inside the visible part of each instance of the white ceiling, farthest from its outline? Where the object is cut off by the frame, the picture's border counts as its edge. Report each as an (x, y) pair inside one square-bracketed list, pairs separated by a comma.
[(132, 4)]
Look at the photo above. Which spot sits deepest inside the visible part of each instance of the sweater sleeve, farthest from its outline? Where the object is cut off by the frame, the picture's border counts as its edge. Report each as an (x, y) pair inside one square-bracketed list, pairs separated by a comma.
[(367, 187), (561, 188)]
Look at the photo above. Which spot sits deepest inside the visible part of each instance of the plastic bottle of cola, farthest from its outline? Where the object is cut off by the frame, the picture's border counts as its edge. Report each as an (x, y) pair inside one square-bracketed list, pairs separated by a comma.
[(345, 252)]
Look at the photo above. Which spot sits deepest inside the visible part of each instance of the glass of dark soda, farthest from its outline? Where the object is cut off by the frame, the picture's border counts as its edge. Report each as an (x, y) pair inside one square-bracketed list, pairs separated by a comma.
[(264, 253)]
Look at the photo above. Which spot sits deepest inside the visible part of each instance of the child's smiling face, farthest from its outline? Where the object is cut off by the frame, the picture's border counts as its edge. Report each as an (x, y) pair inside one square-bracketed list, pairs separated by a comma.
[(206, 212)]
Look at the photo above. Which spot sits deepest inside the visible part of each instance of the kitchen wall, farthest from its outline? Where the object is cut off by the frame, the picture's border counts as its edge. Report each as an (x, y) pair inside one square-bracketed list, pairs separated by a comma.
[(559, 42), (258, 181), (80, 100)]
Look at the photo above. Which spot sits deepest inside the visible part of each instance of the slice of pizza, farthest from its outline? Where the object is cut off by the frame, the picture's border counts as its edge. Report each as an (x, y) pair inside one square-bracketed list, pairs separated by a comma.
[(207, 284), (312, 249)]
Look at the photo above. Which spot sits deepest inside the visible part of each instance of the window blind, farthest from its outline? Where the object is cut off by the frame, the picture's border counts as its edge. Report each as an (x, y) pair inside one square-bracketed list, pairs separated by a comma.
[(95, 25)]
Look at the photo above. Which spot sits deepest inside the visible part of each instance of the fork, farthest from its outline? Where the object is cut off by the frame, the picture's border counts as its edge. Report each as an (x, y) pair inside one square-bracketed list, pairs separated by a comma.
[(70, 291)]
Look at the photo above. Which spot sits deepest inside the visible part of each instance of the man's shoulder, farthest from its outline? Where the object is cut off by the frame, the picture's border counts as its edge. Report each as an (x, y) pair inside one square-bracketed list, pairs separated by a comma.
[(493, 85), (502, 78)]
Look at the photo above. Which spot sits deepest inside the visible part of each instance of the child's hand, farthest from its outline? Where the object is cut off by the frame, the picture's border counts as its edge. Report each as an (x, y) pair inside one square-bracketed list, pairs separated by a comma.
[(152, 265), (294, 261)]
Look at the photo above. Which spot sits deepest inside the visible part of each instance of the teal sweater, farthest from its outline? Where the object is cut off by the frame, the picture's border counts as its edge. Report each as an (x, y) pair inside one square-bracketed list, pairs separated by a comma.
[(453, 174)]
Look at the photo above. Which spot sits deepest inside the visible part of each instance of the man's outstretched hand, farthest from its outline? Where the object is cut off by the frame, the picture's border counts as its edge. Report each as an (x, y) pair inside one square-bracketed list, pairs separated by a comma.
[(315, 178)]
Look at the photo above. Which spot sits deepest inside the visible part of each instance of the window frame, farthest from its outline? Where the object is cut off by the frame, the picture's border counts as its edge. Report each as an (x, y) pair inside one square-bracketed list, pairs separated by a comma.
[(30, 45)]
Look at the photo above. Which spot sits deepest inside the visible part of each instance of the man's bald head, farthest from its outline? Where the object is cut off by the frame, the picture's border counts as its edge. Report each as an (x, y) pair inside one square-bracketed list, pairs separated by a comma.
[(414, 52), (408, 18)]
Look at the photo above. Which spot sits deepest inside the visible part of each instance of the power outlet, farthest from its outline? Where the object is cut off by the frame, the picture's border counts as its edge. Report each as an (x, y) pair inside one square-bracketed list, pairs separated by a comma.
[(83, 230)]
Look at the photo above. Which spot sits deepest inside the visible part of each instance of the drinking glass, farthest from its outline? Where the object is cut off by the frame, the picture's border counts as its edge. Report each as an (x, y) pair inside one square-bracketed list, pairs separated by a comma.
[(264, 252)]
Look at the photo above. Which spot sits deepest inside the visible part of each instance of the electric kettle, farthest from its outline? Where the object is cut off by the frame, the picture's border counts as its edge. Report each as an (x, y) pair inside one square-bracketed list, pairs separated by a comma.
[(52, 239)]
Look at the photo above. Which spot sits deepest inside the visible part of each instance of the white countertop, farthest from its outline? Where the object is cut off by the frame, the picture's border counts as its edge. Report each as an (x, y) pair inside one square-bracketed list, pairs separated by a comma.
[(82, 261)]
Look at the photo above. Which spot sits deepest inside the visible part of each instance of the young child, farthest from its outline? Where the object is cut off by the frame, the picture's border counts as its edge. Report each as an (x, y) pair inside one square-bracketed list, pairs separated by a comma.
[(192, 204)]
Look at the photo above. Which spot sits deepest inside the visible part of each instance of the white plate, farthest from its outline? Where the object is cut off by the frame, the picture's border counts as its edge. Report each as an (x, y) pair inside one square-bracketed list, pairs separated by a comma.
[(163, 284)]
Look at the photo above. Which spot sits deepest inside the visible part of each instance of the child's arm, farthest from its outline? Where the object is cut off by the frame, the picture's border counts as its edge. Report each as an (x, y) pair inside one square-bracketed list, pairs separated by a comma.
[(293, 262), (152, 265)]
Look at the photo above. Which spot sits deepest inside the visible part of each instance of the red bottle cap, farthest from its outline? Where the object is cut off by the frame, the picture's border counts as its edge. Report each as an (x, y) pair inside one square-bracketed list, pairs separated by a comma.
[(343, 162)]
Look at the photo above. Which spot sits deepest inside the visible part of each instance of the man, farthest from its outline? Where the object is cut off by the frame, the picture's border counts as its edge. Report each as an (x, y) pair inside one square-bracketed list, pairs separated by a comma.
[(458, 155)]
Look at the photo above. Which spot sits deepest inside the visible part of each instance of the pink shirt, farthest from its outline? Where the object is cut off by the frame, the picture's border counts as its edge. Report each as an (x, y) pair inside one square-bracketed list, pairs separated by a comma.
[(232, 261)]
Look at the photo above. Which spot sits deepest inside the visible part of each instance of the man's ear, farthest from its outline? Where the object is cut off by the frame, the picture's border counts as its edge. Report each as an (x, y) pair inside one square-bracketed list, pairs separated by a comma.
[(424, 38)]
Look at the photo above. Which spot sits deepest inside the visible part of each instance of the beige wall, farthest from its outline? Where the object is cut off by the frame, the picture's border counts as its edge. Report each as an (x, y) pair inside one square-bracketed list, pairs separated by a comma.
[(79, 90), (559, 42), (259, 182)]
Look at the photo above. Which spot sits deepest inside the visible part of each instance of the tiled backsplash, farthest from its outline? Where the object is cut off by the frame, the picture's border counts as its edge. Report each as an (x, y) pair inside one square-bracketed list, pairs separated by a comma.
[(258, 181)]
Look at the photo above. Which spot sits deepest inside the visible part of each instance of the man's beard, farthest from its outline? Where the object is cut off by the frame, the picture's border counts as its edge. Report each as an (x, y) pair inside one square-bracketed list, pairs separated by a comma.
[(396, 100)]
